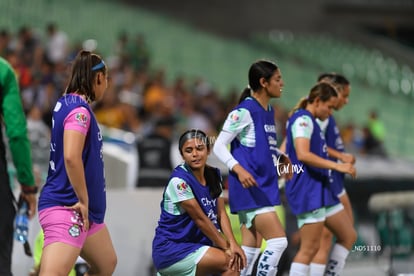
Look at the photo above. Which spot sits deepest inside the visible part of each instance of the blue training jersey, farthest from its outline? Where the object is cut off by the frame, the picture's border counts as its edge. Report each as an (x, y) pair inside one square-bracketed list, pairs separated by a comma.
[(309, 188), (334, 140), (177, 235), (260, 160), (57, 190)]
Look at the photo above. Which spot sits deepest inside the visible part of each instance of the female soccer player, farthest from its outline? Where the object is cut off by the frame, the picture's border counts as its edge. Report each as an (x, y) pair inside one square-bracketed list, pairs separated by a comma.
[(72, 202), (253, 161), (336, 152), (309, 193), (194, 235)]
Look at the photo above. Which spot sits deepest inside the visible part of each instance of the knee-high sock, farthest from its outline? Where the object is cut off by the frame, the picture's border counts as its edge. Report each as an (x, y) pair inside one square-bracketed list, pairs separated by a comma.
[(269, 260), (298, 269), (251, 255), (317, 269), (336, 260)]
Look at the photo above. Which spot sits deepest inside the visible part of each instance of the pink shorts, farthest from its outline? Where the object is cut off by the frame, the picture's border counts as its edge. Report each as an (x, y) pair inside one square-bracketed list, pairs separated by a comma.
[(61, 224)]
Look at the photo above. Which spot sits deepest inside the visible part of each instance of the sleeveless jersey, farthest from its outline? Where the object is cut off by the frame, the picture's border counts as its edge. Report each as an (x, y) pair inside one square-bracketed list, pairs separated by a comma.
[(260, 160), (177, 235), (309, 188), (57, 190)]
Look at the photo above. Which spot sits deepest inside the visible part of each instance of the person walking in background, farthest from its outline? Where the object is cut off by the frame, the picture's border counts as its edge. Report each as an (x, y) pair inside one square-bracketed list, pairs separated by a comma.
[(194, 235), (336, 153), (374, 136), (253, 161), (14, 122), (309, 191), (72, 202), (154, 153)]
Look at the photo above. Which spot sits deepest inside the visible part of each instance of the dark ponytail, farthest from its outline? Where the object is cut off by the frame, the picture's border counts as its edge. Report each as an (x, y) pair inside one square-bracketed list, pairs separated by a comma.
[(213, 180), (246, 93)]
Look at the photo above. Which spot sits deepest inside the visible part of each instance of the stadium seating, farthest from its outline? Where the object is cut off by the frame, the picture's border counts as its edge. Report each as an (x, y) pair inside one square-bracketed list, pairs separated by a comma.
[(378, 81)]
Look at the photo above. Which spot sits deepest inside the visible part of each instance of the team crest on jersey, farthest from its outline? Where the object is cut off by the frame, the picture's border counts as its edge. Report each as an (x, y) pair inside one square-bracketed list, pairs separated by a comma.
[(81, 118), (74, 231)]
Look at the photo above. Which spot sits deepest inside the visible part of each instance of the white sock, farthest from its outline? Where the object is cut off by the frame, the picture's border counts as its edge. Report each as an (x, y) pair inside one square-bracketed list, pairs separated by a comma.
[(298, 269), (269, 260), (336, 260), (251, 256), (317, 269)]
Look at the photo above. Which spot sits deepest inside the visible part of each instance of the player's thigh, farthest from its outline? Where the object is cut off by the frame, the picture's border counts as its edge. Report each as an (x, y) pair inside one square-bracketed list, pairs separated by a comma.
[(347, 205), (213, 261), (269, 225), (341, 226), (58, 259), (99, 252)]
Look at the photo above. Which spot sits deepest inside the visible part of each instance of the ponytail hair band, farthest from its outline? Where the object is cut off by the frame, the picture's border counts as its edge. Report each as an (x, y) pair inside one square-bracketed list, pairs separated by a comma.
[(98, 66)]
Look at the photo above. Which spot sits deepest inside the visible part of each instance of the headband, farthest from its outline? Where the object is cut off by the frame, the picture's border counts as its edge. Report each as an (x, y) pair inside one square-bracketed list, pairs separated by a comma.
[(98, 66)]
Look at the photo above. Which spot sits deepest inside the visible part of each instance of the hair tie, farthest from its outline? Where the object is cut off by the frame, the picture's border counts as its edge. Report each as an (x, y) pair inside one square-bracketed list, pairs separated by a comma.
[(98, 66)]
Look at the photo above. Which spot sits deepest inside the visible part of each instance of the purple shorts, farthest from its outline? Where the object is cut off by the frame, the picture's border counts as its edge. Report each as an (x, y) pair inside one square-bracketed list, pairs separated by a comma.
[(61, 224)]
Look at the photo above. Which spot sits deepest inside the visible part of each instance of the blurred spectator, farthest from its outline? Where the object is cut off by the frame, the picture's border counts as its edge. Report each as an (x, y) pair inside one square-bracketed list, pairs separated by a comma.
[(376, 126), (41, 91), (374, 134), (131, 91), (28, 47), (138, 53), (23, 72), (56, 44), (111, 112), (120, 49), (4, 42), (371, 145), (212, 107), (191, 118), (39, 137), (352, 137), (154, 153), (158, 98)]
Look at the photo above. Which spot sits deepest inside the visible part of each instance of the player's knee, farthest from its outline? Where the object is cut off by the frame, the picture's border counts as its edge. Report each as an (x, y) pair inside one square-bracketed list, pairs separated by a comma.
[(326, 238), (310, 251), (353, 235), (277, 244)]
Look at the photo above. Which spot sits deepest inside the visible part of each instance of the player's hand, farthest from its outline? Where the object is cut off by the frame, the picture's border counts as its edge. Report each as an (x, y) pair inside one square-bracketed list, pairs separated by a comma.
[(347, 168), (238, 260), (245, 178), (83, 211), (348, 158), (31, 201)]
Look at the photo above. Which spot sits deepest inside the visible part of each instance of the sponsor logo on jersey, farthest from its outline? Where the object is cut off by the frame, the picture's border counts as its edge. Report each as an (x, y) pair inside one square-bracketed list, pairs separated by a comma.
[(81, 118), (270, 128)]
